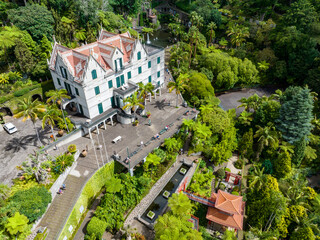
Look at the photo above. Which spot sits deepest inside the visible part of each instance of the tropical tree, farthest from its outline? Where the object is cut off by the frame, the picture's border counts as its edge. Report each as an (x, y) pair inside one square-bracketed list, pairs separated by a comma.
[(113, 186), (178, 85), (144, 90), (180, 205), (171, 144), (211, 32), (238, 34), (133, 102), (257, 178), (152, 159), (28, 109), (250, 103), (17, 224), (245, 118), (188, 124), (35, 167), (267, 136), (4, 78), (57, 96), (202, 131), (49, 117)]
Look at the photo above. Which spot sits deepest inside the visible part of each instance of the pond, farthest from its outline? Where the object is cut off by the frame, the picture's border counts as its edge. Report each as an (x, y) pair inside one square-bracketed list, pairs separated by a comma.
[(160, 203), (161, 37)]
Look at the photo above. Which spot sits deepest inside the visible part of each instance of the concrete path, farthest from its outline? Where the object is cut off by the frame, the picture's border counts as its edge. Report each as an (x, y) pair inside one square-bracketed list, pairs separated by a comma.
[(62, 205)]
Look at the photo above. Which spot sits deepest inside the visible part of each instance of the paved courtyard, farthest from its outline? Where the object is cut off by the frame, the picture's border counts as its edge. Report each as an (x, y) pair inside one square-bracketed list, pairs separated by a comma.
[(230, 100), (15, 148)]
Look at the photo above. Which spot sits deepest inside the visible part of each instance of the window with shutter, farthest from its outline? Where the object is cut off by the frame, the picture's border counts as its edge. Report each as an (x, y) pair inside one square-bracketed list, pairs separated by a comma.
[(149, 64), (118, 82), (110, 84), (139, 55), (97, 90), (139, 70), (122, 79), (129, 75)]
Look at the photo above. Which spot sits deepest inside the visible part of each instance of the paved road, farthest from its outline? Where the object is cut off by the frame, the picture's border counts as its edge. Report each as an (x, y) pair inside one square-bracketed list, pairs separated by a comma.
[(15, 148)]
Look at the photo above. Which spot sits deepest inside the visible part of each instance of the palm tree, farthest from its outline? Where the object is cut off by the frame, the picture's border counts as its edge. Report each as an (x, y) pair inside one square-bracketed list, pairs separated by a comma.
[(50, 116), (238, 34), (144, 90), (113, 186), (152, 159), (171, 144), (133, 102), (4, 78), (180, 205), (28, 109), (257, 178), (267, 136), (57, 96), (188, 124), (202, 131), (211, 28), (178, 85)]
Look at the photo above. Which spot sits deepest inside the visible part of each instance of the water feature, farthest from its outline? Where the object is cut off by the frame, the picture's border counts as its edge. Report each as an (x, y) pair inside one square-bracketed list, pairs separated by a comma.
[(160, 38), (159, 205)]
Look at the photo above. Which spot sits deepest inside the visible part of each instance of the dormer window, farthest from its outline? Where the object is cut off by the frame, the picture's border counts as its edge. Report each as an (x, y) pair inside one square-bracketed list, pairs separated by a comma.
[(139, 55), (94, 74), (118, 64), (64, 72)]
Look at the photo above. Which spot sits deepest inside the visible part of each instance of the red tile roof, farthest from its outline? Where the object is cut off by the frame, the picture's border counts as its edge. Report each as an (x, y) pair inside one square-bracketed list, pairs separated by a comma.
[(103, 49), (228, 210)]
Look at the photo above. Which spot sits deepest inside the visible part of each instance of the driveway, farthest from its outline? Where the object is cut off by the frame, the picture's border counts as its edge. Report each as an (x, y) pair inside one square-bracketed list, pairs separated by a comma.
[(15, 148), (230, 100)]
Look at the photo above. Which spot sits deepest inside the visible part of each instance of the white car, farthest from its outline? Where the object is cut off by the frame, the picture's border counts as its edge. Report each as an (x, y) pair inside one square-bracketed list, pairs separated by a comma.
[(10, 128)]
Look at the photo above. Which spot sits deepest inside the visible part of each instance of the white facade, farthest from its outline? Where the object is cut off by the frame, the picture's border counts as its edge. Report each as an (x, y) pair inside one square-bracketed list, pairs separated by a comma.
[(99, 75)]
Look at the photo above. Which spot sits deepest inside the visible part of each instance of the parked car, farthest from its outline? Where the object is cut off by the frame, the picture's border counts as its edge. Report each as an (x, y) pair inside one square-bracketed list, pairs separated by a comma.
[(10, 128)]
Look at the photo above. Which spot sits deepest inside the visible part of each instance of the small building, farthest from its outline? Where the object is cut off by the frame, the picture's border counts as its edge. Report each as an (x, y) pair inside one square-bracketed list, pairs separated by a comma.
[(228, 210), (100, 75)]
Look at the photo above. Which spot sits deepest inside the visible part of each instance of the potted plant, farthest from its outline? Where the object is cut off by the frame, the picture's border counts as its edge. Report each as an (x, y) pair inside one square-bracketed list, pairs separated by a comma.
[(72, 148), (136, 123), (148, 114), (84, 153), (60, 132), (151, 215), (166, 194), (183, 171)]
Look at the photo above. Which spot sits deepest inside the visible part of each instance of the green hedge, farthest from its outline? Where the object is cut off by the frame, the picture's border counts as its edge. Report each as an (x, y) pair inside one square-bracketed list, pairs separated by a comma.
[(23, 91), (6, 98), (89, 192)]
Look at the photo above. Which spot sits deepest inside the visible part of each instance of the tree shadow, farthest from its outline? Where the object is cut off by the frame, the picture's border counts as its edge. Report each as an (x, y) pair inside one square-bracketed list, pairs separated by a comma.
[(159, 104), (17, 144)]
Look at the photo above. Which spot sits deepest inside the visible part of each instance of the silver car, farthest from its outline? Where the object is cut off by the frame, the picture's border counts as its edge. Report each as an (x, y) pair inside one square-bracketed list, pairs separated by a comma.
[(10, 128)]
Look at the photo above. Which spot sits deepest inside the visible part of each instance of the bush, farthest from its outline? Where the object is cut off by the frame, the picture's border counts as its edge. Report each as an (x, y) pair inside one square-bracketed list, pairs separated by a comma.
[(235, 193), (72, 148), (220, 173), (32, 202), (96, 227), (202, 164), (238, 164), (222, 186), (24, 91), (227, 169), (62, 162), (6, 98)]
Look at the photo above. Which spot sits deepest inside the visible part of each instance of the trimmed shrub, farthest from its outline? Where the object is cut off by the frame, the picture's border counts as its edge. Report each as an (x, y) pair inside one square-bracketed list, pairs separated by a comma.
[(227, 169), (235, 193), (24, 91), (72, 148), (96, 227), (222, 186), (220, 173), (6, 98), (32, 202)]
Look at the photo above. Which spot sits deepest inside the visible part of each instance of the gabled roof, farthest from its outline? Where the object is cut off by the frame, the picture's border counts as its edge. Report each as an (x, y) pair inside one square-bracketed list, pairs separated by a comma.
[(228, 202), (101, 50)]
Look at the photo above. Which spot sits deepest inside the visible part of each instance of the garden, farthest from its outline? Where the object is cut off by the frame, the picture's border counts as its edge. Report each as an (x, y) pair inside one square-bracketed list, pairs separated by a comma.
[(19, 208)]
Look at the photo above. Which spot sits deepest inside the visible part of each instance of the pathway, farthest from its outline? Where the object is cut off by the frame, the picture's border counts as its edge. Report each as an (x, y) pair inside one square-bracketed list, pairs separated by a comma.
[(199, 199), (62, 205)]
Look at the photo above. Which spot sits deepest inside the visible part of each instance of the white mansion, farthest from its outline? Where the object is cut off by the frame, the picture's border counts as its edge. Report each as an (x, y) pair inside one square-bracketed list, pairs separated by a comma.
[(100, 75)]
